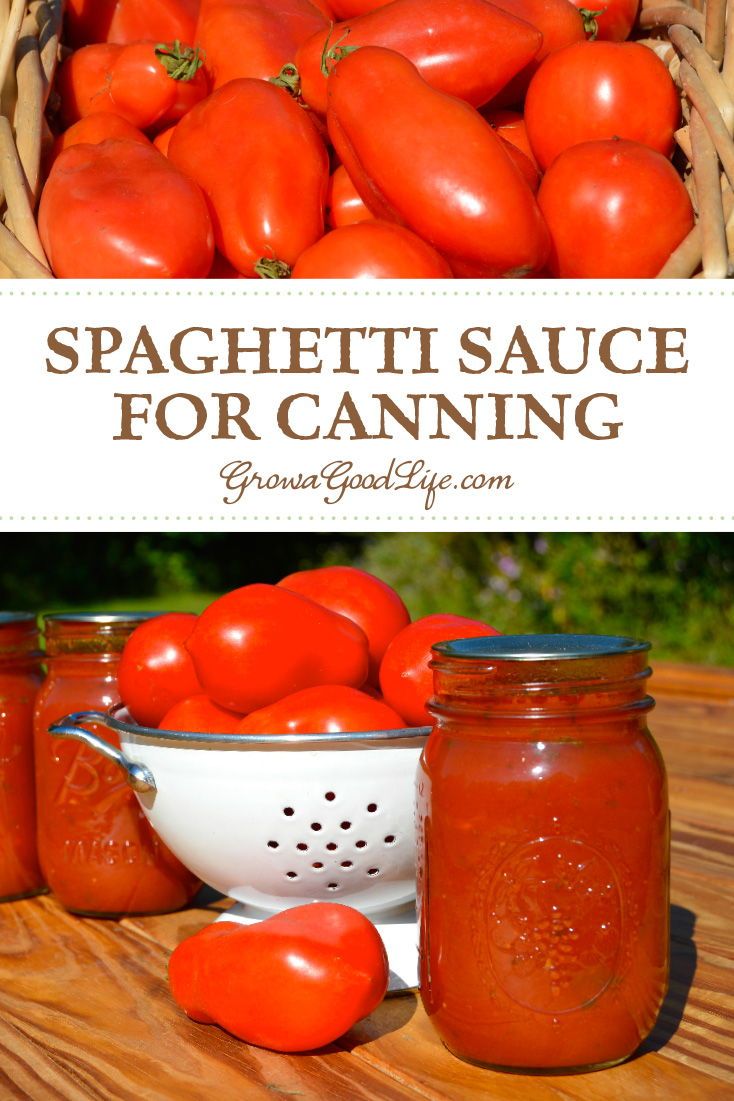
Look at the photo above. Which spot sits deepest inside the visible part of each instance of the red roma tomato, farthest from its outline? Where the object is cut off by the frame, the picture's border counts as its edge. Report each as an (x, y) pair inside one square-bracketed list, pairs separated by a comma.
[(263, 167), (294, 982), (371, 250), (326, 709), (343, 204), (560, 24), (222, 269), (123, 21), (428, 160), (510, 125), (200, 715), (83, 83), (466, 48), (604, 203), (260, 643), (527, 166), (254, 38), (95, 129), (163, 140), (154, 20), (119, 210), (369, 602), (598, 90), (406, 679), (609, 21), (348, 9), (144, 83), (156, 670), (156, 85)]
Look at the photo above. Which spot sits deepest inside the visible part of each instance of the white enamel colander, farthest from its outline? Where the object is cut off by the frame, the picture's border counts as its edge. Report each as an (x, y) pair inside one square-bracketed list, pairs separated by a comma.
[(274, 821)]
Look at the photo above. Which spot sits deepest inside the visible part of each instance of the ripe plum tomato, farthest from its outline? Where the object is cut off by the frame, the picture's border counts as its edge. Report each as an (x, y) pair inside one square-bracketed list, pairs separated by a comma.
[(123, 21), (466, 48), (608, 20), (95, 129), (259, 643), (406, 679), (430, 161), (326, 709), (156, 670), (615, 210), (254, 38), (120, 210), (524, 163), (344, 206), (510, 125), (348, 9), (264, 169), (294, 982), (200, 715), (147, 84), (560, 24), (369, 602), (371, 250), (598, 90)]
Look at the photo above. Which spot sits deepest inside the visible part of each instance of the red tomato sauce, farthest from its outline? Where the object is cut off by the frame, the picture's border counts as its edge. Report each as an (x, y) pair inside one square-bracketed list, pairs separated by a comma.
[(543, 858), (20, 677), (97, 850)]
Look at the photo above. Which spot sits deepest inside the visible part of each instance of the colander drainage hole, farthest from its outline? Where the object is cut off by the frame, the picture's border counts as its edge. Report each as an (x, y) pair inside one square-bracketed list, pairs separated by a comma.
[(361, 844), (272, 844), (331, 846), (373, 871), (291, 875), (332, 886), (316, 826), (331, 796), (345, 825), (302, 847), (346, 864), (288, 811), (372, 807), (390, 839), (317, 865)]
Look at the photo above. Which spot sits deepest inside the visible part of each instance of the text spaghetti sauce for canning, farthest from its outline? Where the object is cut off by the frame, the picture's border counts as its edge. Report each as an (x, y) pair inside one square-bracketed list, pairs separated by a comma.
[(98, 852), (543, 853), (20, 677)]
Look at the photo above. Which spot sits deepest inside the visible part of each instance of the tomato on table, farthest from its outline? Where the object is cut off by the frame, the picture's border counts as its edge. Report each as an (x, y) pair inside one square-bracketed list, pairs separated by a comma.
[(325, 709), (156, 670), (466, 48), (259, 643), (256, 155), (294, 982), (598, 90), (406, 679), (371, 250), (360, 596), (119, 210), (201, 715), (430, 161), (615, 210)]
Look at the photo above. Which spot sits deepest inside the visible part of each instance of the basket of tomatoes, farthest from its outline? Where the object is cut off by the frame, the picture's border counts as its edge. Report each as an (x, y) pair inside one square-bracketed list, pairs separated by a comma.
[(364, 139)]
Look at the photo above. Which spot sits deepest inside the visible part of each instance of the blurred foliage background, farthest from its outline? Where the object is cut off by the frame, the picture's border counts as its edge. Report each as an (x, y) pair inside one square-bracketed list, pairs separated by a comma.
[(675, 589)]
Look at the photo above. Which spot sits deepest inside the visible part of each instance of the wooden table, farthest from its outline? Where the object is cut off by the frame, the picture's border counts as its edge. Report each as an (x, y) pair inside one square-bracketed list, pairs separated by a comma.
[(85, 1010)]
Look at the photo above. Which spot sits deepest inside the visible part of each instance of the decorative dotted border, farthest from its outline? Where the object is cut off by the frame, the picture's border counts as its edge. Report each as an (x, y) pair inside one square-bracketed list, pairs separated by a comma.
[(265, 288)]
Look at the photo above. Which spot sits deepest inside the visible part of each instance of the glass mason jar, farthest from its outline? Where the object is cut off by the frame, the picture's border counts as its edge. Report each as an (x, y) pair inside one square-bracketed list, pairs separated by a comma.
[(97, 850), (543, 853), (20, 677)]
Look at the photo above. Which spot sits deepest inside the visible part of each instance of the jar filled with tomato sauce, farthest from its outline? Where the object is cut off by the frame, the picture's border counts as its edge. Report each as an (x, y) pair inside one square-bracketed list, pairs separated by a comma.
[(98, 852), (543, 852), (20, 677)]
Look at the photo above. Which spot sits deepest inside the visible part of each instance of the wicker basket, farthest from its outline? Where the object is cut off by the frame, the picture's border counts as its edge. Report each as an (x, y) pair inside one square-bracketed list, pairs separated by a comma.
[(695, 40)]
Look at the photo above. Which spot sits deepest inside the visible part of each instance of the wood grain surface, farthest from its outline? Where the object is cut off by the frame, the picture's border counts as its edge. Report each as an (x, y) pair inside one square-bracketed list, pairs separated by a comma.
[(85, 1010)]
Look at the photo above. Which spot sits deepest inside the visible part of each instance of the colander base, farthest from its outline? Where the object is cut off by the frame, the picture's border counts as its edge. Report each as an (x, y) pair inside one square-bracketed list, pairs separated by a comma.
[(398, 929)]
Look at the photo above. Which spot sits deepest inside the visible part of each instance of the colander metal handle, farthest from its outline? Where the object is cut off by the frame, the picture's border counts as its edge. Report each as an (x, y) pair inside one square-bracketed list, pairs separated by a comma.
[(138, 776)]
